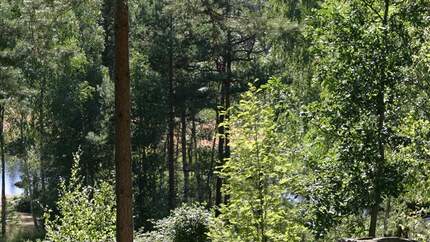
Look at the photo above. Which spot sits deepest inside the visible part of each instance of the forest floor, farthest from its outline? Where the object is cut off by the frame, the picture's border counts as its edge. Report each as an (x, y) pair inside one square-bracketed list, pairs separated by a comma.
[(20, 225), (25, 222)]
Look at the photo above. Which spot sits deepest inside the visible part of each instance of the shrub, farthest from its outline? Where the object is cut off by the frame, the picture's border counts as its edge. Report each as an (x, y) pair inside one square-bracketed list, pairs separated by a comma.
[(259, 175), (85, 213), (22, 204), (188, 223)]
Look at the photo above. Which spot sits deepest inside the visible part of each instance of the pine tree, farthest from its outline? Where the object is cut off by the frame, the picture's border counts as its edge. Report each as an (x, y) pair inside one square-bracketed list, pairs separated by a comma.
[(124, 224)]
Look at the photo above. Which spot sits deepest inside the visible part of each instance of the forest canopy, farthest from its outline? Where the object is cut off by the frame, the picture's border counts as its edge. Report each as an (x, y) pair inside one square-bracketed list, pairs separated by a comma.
[(214, 120)]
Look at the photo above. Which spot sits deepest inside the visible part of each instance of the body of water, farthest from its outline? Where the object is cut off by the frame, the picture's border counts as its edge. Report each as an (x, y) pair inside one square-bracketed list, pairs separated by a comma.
[(13, 175)]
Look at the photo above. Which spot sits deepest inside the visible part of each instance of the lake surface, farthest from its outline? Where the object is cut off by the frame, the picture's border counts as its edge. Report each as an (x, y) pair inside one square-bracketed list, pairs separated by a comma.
[(13, 175)]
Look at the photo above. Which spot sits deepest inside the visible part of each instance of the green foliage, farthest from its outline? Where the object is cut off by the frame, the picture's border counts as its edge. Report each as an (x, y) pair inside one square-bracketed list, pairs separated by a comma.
[(408, 217), (306, 149), (258, 177), (23, 205), (363, 53), (188, 223), (85, 213)]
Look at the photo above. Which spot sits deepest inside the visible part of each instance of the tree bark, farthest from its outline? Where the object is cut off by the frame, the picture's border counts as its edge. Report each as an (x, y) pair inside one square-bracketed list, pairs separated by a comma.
[(3, 180), (171, 124), (185, 166), (124, 216)]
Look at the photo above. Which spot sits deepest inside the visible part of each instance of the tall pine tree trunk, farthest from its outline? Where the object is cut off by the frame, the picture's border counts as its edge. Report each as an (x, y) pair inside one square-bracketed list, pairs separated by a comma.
[(3, 173), (124, 217), (171, 124)]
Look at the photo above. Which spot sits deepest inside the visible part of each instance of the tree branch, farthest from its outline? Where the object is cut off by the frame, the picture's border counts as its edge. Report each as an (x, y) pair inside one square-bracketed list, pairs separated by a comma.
[(369, 5)]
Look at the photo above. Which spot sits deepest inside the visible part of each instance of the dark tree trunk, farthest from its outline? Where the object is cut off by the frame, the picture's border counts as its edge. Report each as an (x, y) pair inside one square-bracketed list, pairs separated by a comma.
[(124, 217), (197, 164), (191, 165), (3, 168), (381, 137), (185, 166), (176, 136), (108, 27), (39, 125), (171, 144), (386, 217), (373, 219), (161, 168), (223, 145), (42, 135)]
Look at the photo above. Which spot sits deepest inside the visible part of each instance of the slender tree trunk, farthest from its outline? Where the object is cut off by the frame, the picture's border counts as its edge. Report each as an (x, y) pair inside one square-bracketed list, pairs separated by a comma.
[(224, 150), (197, 164), (27, 169), (34, 182), (24, 154), (3, 181), (31, 194), (41, 120), (191, 166), (171, 144), (381, 124), (387, 215), (176, 136), (160, 168), (221, 146), (210, 173), (124, 216), (227, 109), (42, 135), (185, 166), (373, 219)]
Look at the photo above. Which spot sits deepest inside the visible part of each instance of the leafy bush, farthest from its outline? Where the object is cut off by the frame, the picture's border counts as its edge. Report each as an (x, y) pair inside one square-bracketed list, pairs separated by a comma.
[(22, 204), (259, 175), (188, 223), (85, 213)]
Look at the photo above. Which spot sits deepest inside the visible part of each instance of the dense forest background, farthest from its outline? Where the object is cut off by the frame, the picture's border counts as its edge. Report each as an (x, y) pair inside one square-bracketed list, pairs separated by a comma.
[(251, 120)]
